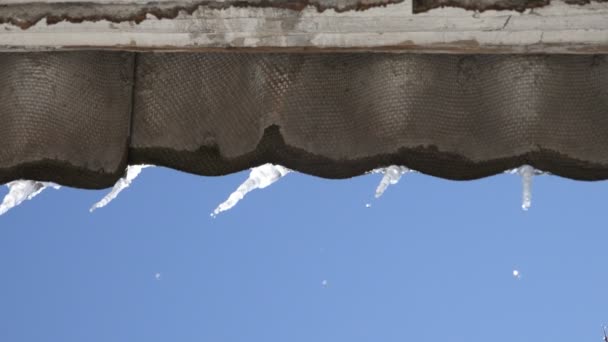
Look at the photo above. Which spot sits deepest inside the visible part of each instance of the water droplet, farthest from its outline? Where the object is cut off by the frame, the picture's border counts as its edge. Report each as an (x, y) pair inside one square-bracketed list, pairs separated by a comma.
[(516, 274)]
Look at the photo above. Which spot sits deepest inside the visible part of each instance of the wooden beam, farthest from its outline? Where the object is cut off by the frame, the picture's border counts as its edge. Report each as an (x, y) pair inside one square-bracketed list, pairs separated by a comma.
[(555, 28)]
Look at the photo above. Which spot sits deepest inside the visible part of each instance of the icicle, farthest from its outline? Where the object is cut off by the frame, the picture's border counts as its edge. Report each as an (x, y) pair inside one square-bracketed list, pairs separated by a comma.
[(22, 190), (132, 172), (259, 178), (526, 172), (392, 175)]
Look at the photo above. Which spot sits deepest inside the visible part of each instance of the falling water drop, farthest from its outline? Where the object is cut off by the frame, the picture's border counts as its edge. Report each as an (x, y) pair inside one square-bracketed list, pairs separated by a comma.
[(516, 274)]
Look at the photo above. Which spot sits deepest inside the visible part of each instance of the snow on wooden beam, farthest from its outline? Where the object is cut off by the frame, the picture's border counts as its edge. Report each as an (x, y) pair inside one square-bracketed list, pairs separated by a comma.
[(558, 27)]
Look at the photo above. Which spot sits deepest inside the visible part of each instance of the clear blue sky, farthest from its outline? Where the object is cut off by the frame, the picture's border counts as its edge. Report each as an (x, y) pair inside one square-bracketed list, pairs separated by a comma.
[(431, 260)]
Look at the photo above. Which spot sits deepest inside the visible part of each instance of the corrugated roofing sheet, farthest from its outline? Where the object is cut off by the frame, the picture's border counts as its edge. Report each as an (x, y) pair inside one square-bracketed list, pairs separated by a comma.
[(78, 118)]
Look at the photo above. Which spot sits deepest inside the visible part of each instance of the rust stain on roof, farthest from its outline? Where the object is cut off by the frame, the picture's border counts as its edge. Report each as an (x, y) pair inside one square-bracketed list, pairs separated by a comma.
[(27, 15), (484, 5), (480, 5)]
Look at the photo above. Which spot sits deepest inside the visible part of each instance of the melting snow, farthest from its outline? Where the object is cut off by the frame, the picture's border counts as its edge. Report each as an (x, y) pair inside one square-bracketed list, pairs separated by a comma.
[(132, 172), (259, 178), (392, 175), (526, 172), (22, 190)]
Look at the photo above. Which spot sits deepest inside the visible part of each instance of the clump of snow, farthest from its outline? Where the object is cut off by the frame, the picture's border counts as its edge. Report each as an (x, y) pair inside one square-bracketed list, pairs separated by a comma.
[(324, 283), (392, 175), (23, 190), (259, 178), (132, 172), (516, 274)]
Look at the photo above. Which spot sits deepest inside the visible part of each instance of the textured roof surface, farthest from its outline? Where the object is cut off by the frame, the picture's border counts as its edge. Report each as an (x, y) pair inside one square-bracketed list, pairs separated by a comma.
[(78, 118)]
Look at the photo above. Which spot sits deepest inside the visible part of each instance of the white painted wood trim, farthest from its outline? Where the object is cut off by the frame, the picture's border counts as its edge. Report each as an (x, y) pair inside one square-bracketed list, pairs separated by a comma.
[(557, 28)]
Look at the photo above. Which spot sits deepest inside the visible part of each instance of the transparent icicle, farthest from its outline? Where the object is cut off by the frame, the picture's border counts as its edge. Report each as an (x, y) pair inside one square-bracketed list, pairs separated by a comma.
[(259, 178), (392, 175), (526, 172), (23, 190), (132, 172)]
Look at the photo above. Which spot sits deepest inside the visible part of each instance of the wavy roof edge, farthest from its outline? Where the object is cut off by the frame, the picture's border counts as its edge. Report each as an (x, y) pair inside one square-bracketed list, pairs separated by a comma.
[(79, 118)]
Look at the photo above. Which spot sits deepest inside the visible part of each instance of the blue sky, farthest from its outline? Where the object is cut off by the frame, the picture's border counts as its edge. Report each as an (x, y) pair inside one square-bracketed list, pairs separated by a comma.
[(431, 260)]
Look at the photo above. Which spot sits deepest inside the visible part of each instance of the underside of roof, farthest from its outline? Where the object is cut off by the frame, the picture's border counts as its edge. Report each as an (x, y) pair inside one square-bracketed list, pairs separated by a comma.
[(79, 118), (459, 89)]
